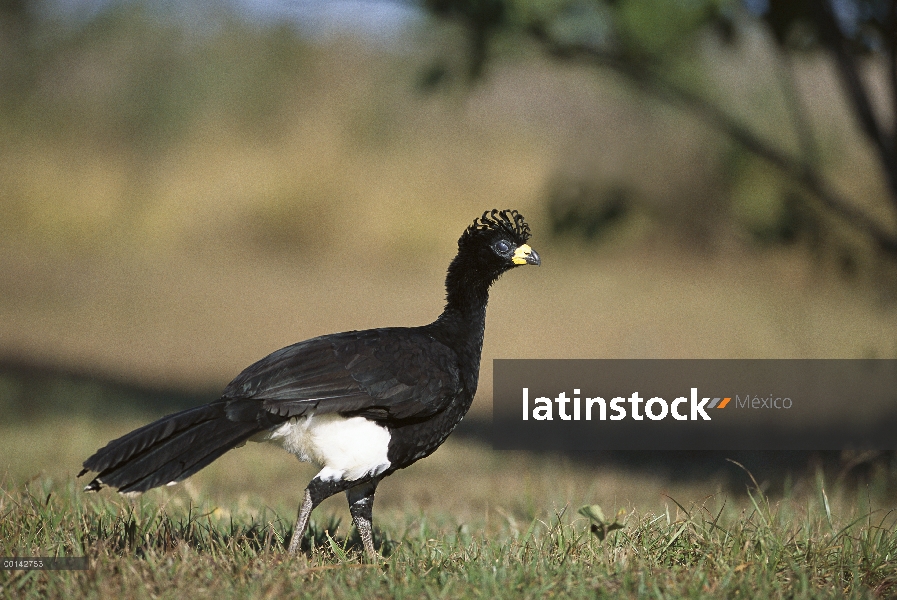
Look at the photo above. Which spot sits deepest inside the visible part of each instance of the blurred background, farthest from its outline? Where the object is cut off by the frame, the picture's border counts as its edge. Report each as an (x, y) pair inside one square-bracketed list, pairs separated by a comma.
[(188, 186)]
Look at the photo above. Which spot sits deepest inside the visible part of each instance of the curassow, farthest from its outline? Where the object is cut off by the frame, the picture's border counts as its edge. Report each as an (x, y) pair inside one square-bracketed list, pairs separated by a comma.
[(359, 404)]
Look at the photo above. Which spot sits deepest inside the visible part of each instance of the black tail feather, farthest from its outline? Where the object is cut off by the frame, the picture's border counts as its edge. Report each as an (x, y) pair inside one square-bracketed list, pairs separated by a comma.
[(170, 449)]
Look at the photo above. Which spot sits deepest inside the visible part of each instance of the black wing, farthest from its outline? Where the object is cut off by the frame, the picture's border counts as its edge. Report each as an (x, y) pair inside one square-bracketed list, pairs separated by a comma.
[(383, 374)]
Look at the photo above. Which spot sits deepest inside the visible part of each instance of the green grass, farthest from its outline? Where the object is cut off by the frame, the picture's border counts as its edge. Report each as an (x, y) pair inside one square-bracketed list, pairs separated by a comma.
[(141, 549), (204, 538)]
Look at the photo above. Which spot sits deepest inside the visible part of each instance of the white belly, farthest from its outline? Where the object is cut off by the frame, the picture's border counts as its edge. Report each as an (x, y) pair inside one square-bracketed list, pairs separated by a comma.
[(345, 448)]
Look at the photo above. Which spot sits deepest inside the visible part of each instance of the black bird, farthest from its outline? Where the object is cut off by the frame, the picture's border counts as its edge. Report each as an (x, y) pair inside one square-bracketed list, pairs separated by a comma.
[(360, 404)]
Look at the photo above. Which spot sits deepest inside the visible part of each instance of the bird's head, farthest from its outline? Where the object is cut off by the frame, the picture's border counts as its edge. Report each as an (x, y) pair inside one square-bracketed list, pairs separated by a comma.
[(496, 242), (493, 244)]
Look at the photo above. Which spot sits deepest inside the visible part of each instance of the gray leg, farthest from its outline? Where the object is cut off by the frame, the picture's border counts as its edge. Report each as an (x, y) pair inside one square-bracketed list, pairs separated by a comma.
[(317, 491), (361, 506), (301, 523)]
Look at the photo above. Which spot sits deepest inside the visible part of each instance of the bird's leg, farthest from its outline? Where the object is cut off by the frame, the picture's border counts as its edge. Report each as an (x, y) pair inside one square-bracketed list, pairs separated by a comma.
[(317, 491), (301, 523), (361, 506)]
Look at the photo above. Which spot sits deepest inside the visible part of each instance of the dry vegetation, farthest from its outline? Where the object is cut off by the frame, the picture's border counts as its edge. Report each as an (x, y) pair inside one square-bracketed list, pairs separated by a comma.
[(179, 260)]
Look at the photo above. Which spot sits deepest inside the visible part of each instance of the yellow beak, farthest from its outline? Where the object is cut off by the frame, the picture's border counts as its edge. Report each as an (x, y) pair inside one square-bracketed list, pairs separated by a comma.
[(524, 255)]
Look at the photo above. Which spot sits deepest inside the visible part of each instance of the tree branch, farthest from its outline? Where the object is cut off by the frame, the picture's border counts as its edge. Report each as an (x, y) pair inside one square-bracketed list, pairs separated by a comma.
[(796, 169), (891, 57), (849, 71)]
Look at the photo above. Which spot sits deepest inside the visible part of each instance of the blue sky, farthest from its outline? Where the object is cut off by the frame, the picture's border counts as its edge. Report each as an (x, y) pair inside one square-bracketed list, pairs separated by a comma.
[(373, 18)]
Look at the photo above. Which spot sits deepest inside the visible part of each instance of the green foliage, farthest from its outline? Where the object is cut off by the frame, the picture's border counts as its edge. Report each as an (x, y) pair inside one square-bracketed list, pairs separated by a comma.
[(599, 524), (661, 27), (658, 29)]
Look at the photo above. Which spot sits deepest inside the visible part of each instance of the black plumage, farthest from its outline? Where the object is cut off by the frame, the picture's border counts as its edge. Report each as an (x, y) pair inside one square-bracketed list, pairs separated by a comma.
[(362, 404)]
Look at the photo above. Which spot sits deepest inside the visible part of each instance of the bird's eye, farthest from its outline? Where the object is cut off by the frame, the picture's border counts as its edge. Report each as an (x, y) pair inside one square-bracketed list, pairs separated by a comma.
[(502, 247)]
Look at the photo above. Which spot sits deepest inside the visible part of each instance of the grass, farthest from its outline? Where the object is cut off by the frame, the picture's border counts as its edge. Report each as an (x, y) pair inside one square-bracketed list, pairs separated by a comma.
[(493, 525), (142, 549)]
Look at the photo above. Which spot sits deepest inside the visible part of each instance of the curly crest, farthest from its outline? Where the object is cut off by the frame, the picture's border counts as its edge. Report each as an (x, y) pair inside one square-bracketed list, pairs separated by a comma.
[(509, 221)]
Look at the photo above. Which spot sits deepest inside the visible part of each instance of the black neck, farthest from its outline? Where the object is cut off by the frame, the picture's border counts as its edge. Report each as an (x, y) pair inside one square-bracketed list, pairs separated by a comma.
[(462, 323)]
